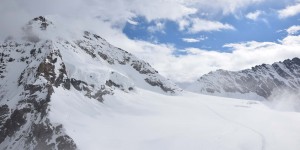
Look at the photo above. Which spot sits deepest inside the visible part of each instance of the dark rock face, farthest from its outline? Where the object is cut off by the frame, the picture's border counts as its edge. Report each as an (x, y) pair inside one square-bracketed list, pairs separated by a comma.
[(44, 23), (26, 125), (89, 89), (4, 113), (140, 67), (261, 80), (158, 83)]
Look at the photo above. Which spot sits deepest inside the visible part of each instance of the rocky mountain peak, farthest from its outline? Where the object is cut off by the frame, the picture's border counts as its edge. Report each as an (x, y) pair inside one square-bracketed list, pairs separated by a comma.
[(39, 22)]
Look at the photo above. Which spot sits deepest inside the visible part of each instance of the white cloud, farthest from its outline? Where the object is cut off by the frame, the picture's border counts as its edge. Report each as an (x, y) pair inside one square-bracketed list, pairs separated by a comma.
[(158, 9), (158, 27), (289, 11), (223, 6), (254, 15), (202, 25), (196, 25), (190, 40), (293, 30), (194, 40), (132, 22), (183, 24)]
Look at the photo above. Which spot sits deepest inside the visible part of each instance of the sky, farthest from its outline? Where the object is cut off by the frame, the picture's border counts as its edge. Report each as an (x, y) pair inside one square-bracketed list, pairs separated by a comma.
[(182, 39)]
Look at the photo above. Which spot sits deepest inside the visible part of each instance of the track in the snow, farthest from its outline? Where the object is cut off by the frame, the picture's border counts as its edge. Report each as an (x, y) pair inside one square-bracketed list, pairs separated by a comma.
[(263, 141)]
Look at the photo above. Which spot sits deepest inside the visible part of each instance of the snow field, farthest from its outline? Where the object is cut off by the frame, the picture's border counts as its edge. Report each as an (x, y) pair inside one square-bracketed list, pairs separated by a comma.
[(146, 120)]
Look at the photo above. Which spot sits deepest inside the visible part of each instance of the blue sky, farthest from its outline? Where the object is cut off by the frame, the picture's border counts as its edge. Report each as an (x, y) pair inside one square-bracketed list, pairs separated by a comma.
[(267, 27)]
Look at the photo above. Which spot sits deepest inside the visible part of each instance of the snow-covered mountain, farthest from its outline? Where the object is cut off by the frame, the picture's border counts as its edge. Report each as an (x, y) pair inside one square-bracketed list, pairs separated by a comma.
[(45, 61), (257, 83), (73, 90)]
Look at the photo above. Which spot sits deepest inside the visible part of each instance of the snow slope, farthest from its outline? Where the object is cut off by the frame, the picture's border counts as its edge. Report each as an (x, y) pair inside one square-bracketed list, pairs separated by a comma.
[(146, 120)]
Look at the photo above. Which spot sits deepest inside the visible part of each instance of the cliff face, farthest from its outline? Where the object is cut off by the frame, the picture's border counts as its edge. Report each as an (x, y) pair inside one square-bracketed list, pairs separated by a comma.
[(256, 83), (34, 66)]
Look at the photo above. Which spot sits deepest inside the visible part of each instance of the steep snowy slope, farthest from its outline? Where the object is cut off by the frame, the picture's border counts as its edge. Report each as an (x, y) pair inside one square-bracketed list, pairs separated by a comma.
[(256, 83), (43, 60)]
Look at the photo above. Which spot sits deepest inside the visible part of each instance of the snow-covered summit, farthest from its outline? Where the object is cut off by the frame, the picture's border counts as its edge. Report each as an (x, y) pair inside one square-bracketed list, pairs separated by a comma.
[(35, 66), (256, 83)]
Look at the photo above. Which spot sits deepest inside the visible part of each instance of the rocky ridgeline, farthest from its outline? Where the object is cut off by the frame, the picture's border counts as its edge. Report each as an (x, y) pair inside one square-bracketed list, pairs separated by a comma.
[(256, 83)]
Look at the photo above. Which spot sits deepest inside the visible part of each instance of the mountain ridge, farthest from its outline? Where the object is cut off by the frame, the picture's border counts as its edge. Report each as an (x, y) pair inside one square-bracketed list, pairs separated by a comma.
[(256, 83)]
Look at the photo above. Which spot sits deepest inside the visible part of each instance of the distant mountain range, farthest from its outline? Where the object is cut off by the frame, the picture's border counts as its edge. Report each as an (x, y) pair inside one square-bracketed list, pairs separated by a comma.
[(257, 83)]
